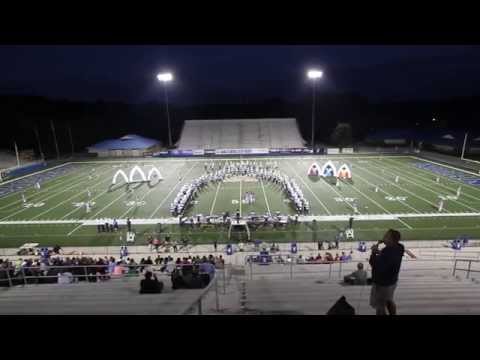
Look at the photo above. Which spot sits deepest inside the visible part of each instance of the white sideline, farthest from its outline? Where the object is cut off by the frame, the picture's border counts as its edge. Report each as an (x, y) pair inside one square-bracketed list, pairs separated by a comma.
[(76, 183), (301, 218), (452, 180), (266, 200), (35, 173), (447, 166), (215, 198), (397, 172), (388, 194)]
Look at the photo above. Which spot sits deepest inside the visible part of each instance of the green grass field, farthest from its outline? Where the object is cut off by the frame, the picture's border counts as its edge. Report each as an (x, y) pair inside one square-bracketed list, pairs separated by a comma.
[(416, 194)]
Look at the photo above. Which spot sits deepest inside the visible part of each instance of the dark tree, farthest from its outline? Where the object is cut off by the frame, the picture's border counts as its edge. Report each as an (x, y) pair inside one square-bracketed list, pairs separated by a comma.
[(342, 135)]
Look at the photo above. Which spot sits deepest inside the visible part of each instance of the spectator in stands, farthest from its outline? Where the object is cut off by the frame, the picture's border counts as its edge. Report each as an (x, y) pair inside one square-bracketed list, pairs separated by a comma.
[(320, 244), (111, 265), (385, 268), (363, 246), (65, 277), (156, 244), (119, 269), (57, 249), (358, 277), (207, 270), (149, 285)]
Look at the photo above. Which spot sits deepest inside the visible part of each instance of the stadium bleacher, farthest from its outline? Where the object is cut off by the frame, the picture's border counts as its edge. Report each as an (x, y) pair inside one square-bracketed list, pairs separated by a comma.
[(311, 297), (240, 134), (119, 297)]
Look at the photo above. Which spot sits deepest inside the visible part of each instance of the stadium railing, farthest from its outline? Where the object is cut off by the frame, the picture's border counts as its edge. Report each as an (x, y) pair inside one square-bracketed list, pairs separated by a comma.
[(468, 270), (331, 270), (197, 304), (20, 273), (293, 266)]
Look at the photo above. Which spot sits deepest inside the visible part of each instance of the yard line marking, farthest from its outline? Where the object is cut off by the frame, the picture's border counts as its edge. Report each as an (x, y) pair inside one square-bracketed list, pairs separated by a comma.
[(410, 171), (467, 206), (43, 199), (35, 173), (215, 198), (71, 197), (408, 191), (240, 197), (332, 187), (143, 197), (171, 191), (310, 189), (106, 206), (380, 206), (44, 190), (266, 201), (379, 188), (76, 209)]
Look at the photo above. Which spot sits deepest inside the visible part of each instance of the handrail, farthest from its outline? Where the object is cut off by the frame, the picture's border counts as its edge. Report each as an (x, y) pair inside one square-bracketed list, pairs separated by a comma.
[(198, 302), (39, 273), (469, 270)]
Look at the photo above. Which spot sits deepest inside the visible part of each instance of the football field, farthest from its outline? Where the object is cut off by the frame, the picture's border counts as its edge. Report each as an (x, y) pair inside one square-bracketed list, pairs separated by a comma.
[(401, 192)]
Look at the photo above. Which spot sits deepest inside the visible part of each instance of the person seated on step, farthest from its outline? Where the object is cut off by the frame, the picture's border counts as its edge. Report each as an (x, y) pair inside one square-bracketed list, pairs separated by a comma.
[(328, 257), (150, 285), (358, 277)]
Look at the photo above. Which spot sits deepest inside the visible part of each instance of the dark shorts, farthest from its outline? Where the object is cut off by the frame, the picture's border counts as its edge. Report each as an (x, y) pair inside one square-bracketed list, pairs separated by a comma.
[(379, 295)]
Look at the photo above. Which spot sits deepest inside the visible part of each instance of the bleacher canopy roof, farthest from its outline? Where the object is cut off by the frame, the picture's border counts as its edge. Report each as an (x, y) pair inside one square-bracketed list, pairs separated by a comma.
[(127, 142)]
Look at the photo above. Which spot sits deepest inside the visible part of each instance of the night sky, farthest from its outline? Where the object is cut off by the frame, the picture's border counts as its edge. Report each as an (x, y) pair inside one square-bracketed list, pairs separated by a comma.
[(238, 74)]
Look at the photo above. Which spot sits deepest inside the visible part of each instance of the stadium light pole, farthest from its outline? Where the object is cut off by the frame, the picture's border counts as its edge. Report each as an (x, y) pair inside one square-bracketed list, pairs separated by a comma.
[(166, 78), (55, 138), (35, 129), (314, 75), (71, 138), (463, 147)]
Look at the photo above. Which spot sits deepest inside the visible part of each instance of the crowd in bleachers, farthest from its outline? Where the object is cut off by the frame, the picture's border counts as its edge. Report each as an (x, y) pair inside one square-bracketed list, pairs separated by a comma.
[(45, 270)]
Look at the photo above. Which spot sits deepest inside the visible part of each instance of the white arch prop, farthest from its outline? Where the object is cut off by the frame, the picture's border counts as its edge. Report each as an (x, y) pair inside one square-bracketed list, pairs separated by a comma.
[(136, 169), (117, 174), (344, 172), (311, 170), (154, 170), (327, 165)]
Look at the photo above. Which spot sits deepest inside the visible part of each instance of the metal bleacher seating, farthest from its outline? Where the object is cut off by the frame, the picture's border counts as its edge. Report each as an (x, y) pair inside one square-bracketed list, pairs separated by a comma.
[(114, 297), (240, 133)]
